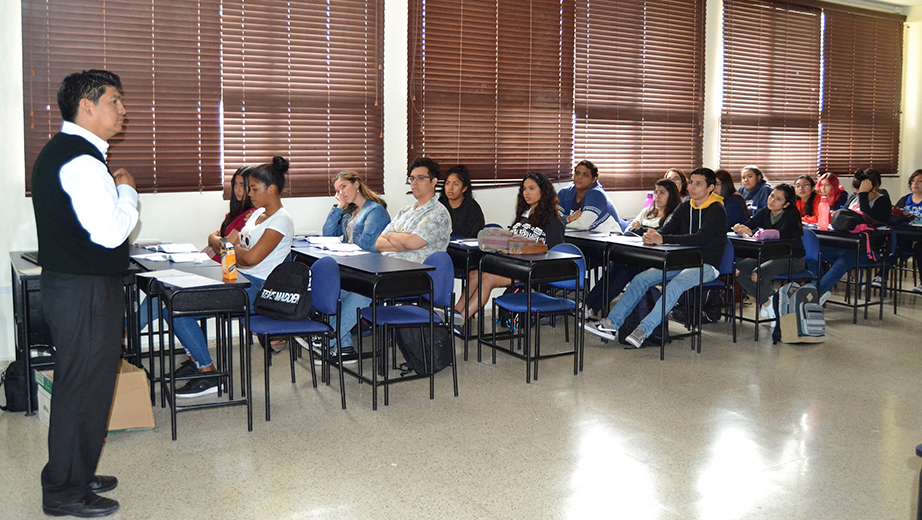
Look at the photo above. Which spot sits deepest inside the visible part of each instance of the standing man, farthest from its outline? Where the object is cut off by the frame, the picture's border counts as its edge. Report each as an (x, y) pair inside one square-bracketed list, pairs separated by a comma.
[(83, 214), (699, 221), (585, 205)]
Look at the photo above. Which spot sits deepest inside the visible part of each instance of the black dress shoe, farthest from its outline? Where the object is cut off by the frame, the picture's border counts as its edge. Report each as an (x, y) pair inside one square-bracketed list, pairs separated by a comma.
[(102, 483), (93, 506)]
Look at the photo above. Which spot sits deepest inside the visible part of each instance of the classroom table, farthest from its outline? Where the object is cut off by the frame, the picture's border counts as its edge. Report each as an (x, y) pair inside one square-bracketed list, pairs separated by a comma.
[(465, 255), (380, 278), (630, 250), (859, 243), (762, 251), (532, 270)]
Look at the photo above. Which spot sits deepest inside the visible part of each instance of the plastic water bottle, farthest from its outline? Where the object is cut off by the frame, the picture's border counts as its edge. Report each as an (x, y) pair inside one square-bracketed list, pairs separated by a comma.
[(822, 220), (649, 202)]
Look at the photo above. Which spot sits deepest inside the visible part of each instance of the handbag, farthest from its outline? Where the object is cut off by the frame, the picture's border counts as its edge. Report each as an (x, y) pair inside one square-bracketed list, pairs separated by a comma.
[(286, 295)]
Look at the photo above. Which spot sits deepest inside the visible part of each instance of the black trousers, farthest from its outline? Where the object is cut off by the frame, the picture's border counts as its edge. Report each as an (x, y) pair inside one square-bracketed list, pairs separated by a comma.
[(84, 313)]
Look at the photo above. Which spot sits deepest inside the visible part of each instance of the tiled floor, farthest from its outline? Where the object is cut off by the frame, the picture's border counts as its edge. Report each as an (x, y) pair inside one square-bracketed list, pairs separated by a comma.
[(746, 430)]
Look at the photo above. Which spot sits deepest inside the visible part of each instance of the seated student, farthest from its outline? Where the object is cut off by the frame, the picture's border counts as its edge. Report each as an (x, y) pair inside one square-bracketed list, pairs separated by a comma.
[(828, 186), (734, 203), (536, 217), (263, 243), (240, 210), (359, 215), (699, 221), (869, 200), (458, 198), (912, 202), (808, 199), (416, 232), (780, 213), (677, 176), (665, 200), (584, 205), (754, 188)]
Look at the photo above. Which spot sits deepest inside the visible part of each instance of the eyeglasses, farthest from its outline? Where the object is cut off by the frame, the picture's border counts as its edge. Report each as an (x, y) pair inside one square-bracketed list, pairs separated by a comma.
[(802, 185), (417, 178)]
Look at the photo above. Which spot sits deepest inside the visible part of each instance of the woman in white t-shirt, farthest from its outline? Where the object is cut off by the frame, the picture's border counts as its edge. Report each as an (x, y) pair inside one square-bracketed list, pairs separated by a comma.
[(262, 244)]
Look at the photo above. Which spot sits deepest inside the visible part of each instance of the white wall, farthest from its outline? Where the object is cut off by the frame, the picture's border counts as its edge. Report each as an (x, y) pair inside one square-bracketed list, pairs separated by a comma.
[(190, 217)]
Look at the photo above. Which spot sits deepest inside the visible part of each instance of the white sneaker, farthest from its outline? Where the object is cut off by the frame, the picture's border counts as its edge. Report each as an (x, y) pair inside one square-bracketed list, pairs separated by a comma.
[(825, 296), (876, 281), (917, 289), (597, 329), (768, 311)]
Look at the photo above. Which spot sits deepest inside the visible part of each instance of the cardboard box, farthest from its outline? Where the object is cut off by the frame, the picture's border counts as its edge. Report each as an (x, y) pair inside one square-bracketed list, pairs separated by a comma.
[(131, 408)]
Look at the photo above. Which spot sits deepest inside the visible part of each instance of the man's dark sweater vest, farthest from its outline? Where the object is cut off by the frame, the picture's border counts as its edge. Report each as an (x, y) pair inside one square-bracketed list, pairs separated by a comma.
[(64, 246)]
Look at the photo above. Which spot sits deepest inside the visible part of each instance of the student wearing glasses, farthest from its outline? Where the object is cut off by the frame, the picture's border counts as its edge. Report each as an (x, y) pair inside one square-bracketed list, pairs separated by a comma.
[(808, 200), (584, 205)]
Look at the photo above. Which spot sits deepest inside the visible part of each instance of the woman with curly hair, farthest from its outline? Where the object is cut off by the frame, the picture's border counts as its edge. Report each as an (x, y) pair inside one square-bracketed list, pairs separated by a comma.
[(536, 217)]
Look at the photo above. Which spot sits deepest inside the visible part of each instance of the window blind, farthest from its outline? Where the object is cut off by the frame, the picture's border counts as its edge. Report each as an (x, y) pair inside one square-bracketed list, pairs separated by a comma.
[(303, 80), (771, 95), (491, 86), (167, 56), (639, 88), (861, 95)]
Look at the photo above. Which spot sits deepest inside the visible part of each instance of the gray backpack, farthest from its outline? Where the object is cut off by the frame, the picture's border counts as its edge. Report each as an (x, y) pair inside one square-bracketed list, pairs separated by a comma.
[(800, 315)]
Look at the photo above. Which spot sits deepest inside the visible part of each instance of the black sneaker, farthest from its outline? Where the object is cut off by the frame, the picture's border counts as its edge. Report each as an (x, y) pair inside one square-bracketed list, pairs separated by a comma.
[(349, 356), (199, 387), (186, 369)]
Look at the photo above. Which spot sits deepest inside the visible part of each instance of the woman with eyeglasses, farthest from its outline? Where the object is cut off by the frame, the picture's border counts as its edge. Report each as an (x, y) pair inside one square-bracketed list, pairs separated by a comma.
[(808, 200), (359, 215), (912, 202), (458, 198), (677, 176), (536, 217)]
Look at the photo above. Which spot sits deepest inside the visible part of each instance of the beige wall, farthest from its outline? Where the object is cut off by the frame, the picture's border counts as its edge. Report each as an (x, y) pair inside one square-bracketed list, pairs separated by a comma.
[(190, 217)]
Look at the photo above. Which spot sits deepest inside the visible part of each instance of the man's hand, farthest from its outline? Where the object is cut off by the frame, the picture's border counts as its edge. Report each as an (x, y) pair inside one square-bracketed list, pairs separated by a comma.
[(574, 216), (652, 237), (121, 176)]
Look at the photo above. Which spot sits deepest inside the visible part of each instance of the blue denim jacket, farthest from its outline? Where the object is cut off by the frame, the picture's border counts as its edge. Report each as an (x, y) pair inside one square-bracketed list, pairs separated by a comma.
[(372, 219)]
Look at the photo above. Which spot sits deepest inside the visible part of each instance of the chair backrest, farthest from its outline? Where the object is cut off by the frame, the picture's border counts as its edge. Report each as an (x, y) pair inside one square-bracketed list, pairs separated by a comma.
[(726, 261), (811, 246), (492, 224), (564, 247), (443, 278), (325, 285)]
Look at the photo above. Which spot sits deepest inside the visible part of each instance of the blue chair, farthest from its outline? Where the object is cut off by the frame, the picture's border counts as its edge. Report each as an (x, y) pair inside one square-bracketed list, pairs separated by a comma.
[(543, 304), (726, 283), (390, 317), (325, 286), (811, 259)]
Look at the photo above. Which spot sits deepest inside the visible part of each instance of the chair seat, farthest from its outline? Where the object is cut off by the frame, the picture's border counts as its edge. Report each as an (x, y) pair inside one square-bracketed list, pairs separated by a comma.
[(799, 275), (264, 325), (401, 315), (518, 302)]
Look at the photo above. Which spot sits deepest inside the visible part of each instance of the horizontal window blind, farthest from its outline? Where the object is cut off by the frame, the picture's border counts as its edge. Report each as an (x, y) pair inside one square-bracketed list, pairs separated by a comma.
[(491, 86), (639, 97), (771, 88), (303, 80), (167, 56), (861, 96)]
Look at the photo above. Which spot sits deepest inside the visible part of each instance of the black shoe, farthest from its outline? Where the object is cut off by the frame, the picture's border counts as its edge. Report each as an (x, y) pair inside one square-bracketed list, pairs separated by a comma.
[(93, 506), (186, 369), (102, 483), (199, 387)]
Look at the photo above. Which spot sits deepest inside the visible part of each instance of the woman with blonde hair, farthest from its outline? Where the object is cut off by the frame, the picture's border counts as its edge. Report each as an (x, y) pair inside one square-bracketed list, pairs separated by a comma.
[(359, 215)]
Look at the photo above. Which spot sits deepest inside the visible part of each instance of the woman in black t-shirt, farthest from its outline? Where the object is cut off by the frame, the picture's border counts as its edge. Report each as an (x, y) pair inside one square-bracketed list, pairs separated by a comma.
[(458, 199)]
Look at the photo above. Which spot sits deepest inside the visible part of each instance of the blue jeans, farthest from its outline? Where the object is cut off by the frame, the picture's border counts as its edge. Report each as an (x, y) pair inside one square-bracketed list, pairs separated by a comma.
[(842, 261), (189, 332), (677, 282), (618, 276), (350, 302)]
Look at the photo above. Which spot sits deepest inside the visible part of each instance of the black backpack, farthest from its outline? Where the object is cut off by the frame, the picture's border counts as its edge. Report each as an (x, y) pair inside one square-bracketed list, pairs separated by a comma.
[(286, 294), (413, 343), (637, 315), (13, 380)]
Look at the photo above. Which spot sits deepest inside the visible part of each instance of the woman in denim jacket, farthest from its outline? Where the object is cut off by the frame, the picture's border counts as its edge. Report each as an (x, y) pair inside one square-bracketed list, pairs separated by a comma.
[(360, 215)]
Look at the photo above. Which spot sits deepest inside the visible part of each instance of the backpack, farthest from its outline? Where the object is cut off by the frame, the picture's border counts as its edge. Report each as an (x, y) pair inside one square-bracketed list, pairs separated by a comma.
[(800, 316), (637, 315), (413, 343), (712, 308), (14, 381), (286, 294)]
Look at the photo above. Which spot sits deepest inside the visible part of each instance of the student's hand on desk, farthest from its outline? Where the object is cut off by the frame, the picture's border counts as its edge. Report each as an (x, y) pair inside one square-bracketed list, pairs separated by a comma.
[(121, 176), (574, 216), (652, 237), (742, 230)]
